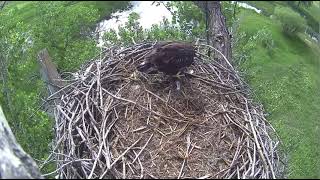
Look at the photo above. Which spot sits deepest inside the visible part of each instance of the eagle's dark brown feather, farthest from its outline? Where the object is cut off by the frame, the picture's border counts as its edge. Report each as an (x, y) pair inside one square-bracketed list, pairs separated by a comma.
[(169, 57)]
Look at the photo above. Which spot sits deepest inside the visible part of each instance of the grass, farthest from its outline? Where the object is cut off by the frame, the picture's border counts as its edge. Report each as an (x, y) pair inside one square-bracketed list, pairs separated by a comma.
[(287, 83), (312, 13)]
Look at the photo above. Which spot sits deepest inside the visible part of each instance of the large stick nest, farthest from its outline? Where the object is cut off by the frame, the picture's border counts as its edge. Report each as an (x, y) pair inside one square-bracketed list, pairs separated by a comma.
[(115, 122)]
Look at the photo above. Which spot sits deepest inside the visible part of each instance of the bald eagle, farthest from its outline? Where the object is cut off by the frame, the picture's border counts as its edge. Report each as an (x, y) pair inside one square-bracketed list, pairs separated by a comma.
[(170, 58)]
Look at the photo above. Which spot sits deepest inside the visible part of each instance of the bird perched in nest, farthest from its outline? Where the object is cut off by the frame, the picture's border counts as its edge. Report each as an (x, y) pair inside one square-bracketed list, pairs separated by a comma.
[(171, 58)]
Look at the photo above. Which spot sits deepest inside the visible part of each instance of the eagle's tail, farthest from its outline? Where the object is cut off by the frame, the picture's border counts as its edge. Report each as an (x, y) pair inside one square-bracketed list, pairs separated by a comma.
[(144, 67)]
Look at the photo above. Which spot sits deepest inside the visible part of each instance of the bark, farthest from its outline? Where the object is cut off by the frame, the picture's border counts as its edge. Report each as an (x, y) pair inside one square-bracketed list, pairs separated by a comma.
[(217, 33), (14, 162)]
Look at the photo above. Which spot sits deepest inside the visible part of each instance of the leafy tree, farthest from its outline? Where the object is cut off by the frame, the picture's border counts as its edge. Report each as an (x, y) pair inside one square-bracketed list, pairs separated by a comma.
[(22, 91), (61, 29), (189, 18), (305, 3), (64, 29), (290, 20), (188, 23), (230, 11)]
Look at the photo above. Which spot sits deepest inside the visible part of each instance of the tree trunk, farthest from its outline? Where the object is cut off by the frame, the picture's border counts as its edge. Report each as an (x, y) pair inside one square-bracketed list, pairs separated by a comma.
[(217, 33), (14, 162)]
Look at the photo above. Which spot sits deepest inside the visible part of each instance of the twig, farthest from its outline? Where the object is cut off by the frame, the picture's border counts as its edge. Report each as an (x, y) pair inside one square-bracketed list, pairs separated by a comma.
[(142, 149), (115, 161), (186, 155)]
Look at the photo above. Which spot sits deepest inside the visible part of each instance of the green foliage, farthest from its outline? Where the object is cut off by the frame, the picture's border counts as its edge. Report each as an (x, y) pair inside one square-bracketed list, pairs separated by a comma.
[(63, 28), (230, 11), (281, 70), (300, 3), (314, 11), (189, 17), (287, 83), (187, 24), (105, 7), (309, 10), (291, 21), (66, 28), (244, 44), (262, 37), (167, 31), (132, 31)]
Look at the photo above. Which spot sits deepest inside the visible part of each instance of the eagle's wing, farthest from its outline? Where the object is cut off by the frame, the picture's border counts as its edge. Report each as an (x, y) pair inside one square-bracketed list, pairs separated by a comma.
[(179, 54), (178, 48), (170, 57)]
